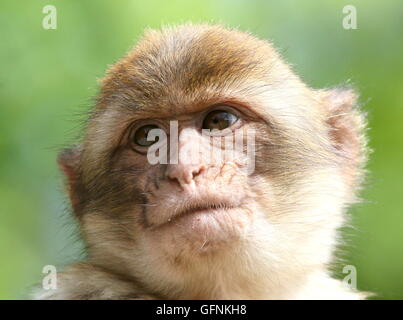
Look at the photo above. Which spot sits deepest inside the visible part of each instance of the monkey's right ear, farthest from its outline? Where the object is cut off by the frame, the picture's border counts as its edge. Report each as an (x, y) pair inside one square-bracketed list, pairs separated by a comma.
[(69, 163)]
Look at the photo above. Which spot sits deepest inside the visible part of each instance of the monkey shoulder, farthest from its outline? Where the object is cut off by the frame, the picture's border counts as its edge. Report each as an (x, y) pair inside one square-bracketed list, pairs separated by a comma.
[(85, 281), (320, 286)]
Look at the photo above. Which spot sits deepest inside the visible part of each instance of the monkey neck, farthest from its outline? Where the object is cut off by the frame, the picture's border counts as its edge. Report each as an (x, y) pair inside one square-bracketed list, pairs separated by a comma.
[(252, 268), (236, 273), (240, 279)]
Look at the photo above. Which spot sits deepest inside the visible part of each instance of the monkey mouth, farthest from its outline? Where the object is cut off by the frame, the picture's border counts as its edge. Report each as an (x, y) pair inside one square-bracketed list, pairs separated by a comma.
[(198, 208), (210, 224)]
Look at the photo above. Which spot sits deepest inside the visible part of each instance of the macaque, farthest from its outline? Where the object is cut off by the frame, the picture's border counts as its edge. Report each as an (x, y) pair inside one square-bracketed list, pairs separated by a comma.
[(259, 221)]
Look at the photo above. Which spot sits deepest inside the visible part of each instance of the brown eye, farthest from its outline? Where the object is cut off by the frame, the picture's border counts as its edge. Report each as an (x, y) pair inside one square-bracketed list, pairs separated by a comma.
[(219, 120), (140, 136)]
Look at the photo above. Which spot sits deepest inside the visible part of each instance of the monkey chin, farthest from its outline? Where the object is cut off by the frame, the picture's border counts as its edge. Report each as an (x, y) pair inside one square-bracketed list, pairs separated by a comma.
[(201, 232)]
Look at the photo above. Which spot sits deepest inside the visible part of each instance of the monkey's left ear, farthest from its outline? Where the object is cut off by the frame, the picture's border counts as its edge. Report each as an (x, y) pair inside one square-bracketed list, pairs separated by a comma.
[(69, 163), (347, 125)]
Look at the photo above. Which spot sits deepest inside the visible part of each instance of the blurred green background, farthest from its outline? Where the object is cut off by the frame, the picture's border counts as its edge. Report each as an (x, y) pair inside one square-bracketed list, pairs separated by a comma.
[(48, 79)]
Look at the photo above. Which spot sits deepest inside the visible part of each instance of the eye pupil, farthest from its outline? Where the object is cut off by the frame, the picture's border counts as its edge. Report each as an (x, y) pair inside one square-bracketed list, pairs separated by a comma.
[(219, 120), (140, 136)]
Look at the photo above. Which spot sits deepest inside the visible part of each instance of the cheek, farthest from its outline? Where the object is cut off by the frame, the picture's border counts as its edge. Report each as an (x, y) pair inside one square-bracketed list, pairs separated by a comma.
[(313, 201), (111, 235), (132, 175), (262, 192)]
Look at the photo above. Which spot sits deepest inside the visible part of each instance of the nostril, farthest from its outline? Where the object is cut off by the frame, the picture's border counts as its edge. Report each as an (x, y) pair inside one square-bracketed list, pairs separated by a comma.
[(173, 179), (196, 172), (183, 176)]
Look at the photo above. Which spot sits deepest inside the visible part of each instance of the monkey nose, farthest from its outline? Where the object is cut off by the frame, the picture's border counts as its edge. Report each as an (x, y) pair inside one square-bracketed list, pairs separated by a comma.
[(184, 174)]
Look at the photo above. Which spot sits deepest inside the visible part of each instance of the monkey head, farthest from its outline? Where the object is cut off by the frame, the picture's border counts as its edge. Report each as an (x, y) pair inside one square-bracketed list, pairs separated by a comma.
[(273, 205)]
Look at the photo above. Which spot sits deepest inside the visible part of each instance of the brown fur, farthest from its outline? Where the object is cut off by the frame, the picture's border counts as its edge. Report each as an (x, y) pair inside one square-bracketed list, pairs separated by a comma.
[(310, 152)]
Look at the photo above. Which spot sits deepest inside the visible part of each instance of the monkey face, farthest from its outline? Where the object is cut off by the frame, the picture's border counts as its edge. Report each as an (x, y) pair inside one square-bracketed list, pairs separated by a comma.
[(182, 182), (149, 184)]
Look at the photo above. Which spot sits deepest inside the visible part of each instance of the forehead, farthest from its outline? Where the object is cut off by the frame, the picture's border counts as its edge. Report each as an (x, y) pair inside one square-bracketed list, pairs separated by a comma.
[(171, 71)]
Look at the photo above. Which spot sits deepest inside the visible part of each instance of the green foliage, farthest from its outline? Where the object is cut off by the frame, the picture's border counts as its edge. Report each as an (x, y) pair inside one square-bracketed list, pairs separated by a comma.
[(48, 79)]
